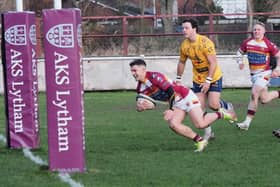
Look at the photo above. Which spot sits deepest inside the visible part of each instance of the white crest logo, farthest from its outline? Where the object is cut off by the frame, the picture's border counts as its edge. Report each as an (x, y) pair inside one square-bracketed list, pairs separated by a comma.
[(16, 35), (79, 32), (61, 35), (32, 34)]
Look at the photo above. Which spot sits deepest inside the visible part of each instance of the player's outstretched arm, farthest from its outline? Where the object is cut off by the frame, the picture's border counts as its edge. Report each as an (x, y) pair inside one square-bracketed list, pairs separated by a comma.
[(239, 59)]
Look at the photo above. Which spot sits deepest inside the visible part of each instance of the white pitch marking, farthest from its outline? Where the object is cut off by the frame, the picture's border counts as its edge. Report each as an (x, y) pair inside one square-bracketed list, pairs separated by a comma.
[(27, 153), (64, 177), (2, 138)]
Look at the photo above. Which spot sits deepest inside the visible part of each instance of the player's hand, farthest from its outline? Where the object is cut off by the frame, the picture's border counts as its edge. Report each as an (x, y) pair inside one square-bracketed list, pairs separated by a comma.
[(139, 108), (178, 80), (241, 66), (143, 104), (168, 114), (275, 72), (205, 87)]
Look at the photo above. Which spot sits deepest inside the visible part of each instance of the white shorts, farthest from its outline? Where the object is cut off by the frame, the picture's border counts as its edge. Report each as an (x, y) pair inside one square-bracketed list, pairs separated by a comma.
[(187, 103), (261, 79)]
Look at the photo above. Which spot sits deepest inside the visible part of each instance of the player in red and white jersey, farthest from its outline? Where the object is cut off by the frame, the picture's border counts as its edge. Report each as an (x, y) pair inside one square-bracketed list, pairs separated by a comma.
[(259, 52), (160, 88), (181, 101)]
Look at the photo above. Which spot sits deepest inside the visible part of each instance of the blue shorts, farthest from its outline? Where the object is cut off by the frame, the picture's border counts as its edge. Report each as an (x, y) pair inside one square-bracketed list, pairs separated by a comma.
[(214, 87)]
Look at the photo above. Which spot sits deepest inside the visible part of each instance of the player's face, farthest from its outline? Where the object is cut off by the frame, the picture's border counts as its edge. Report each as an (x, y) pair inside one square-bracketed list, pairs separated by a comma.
[(138, 72), (188, 30), (258, 32)]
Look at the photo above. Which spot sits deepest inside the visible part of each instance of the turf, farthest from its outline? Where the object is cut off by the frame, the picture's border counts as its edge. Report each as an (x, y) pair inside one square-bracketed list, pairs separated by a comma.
[(128, 148)]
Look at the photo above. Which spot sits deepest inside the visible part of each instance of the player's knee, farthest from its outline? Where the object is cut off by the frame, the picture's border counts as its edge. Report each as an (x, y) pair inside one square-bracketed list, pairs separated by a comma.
[(255, 96), (264, 100), (172, 124), (200, 125), (214, 106)]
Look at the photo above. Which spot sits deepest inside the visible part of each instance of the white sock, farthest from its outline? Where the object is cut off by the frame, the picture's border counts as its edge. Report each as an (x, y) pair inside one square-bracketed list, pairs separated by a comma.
[(247, 120), (208, 130)]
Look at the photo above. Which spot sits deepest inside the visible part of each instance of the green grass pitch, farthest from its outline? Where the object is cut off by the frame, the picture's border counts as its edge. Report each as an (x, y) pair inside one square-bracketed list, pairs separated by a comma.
[(125, 148)]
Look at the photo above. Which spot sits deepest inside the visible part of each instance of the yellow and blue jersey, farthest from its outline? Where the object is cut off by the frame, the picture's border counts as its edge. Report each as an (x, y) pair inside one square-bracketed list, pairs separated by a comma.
[(197, 52)]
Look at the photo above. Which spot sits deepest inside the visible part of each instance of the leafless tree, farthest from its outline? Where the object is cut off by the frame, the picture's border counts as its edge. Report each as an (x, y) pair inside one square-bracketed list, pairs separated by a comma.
[(259, 6), (166, 9), (6, 5)]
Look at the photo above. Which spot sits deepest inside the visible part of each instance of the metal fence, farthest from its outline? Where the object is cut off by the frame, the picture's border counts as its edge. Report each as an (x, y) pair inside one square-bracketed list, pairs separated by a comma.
[(136, 35)]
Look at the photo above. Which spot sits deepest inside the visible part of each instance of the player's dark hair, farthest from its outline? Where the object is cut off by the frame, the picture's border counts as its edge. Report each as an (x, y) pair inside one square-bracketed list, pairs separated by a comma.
[(137, 62), (193, 22)]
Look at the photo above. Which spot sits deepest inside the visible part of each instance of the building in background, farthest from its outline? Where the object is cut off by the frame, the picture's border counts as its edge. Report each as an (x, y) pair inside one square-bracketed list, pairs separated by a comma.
[(233, 6)]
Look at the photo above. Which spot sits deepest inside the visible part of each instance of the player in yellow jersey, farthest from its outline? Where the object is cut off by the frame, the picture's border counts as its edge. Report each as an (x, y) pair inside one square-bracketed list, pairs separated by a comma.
[(207, 74)]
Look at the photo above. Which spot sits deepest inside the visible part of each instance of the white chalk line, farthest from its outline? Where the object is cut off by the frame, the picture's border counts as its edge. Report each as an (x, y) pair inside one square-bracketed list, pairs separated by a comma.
[(2, 138), (64, 177), (27, 153)]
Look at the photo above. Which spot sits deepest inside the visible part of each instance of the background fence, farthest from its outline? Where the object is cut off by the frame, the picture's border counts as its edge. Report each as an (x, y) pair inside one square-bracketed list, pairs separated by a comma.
[(136, 35), (110, 43)]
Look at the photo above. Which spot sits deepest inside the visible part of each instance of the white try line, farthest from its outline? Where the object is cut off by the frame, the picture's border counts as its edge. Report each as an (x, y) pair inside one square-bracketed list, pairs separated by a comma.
[(27, 153), (64, 177), (3, 139)]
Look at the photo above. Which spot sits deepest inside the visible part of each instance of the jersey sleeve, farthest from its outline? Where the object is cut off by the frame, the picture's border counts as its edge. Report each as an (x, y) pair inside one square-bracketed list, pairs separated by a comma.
[(160, 81), (183, 55), (243, 46), (273, 48)]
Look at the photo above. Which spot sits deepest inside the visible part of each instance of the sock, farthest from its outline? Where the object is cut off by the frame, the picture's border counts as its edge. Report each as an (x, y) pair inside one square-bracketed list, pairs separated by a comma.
[(208, 130), (219, 114), (197, 138), (251, 112), (247, 120), (223, 104)]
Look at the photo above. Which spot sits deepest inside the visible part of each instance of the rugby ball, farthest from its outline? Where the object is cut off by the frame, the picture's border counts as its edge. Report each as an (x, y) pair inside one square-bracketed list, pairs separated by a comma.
[(143, 98)]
